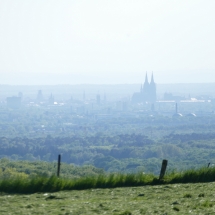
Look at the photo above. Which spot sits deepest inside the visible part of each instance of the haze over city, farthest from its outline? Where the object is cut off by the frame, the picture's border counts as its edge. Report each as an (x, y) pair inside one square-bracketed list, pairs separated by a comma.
[(106, 42), (115, 97)]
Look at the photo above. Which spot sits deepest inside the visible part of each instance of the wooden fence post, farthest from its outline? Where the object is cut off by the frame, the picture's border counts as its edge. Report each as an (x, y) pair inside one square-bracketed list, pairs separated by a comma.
[(163, 169), (58, 165)]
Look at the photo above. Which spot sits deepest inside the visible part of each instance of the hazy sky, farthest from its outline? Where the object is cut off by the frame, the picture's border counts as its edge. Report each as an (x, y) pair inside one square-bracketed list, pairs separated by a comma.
[(106, 41)]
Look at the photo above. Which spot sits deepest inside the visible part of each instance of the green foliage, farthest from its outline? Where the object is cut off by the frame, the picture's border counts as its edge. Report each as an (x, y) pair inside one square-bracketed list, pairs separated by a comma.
[(192, 176), (42, 184), (115, 153), (21, 183), (116, 144), (207, 204), (12, 173), (201, 195), (26, 169), (187, 195)]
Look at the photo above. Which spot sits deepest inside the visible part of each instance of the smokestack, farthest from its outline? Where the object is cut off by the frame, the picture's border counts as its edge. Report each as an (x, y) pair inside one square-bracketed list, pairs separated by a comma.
[(176, 107)]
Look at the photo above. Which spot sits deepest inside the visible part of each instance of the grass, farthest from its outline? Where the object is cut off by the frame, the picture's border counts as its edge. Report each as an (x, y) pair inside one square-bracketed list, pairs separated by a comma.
[(157, 199), (192, 176), (52, 184), (21, 184)]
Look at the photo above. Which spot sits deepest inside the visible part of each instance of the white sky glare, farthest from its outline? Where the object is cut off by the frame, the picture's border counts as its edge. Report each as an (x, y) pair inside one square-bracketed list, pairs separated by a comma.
[(106, 41)]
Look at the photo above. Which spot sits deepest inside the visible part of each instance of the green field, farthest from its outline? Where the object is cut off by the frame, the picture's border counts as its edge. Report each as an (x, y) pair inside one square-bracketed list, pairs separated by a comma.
[(196, 198), (96, 192)]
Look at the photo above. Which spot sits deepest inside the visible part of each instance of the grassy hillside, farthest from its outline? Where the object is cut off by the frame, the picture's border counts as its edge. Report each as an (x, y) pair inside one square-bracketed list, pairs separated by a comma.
[(25, 189), (13, 181), (160, 199)]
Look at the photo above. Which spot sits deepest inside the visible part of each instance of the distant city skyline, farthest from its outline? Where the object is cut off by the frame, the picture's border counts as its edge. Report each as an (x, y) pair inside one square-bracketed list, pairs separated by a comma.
[(106, 42)]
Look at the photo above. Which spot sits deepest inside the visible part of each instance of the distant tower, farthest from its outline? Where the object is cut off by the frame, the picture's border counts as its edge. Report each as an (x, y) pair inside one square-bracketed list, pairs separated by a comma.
[(146, 83), (51, 99), (152, 90), (39, 96), (146, 89)]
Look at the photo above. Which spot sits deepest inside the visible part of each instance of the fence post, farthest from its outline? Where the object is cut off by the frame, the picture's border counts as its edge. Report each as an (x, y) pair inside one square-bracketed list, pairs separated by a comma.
[(209, 164), (163, 169), (58, 165)]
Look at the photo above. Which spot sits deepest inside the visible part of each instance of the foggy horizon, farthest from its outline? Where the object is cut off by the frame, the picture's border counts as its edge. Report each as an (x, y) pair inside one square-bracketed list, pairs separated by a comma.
[(106, 42), (68, 79)]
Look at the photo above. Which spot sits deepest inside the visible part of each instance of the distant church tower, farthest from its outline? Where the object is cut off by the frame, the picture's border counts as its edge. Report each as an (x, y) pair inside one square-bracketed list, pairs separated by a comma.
[(153, 96), (148, 90)]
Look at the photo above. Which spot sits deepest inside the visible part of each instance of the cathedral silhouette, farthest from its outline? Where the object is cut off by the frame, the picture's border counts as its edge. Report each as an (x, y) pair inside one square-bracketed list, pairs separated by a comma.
[(147, 92)]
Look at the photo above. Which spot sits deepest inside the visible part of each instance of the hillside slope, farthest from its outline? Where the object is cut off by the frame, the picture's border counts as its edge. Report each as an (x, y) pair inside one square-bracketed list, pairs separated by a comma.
[(183, 199)]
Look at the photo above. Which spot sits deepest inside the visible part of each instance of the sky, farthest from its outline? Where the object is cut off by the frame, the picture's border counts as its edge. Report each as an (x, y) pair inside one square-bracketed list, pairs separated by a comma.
[(106, 41)]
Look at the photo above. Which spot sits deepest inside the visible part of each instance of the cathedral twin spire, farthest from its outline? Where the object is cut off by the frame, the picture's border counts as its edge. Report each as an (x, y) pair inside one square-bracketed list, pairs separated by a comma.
[(147, 92), (146, 85), (152, 79), (149, 89), (146, 78)]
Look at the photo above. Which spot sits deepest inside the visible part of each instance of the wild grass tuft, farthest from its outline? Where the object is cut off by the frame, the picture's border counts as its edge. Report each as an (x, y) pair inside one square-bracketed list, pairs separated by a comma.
[(206, 204), (187, 195), (192, 176), (20, 184)]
